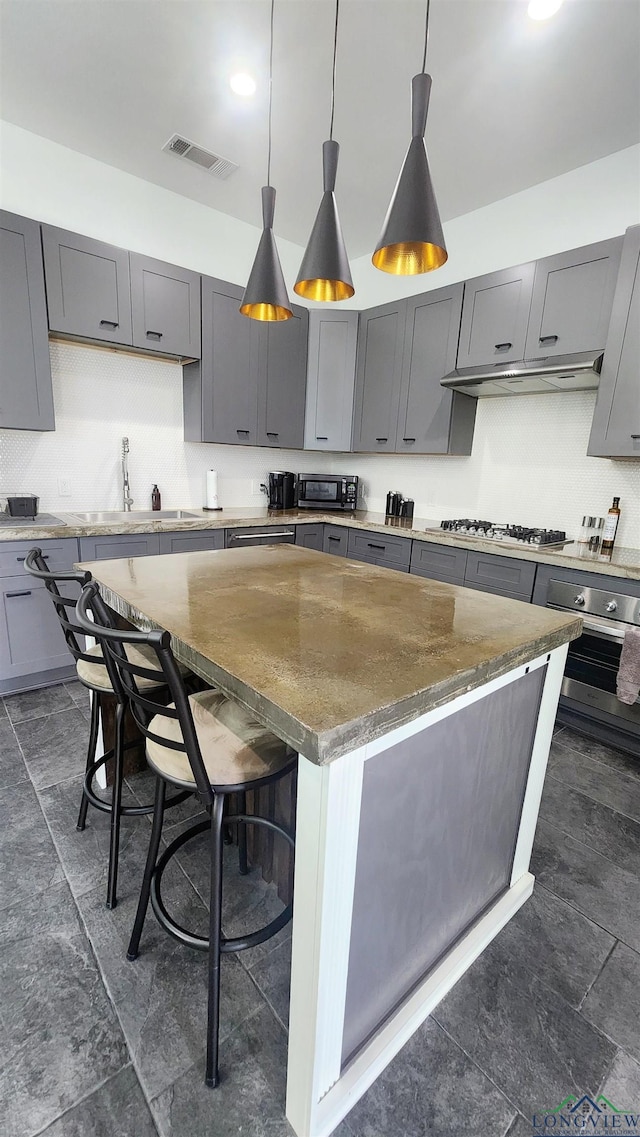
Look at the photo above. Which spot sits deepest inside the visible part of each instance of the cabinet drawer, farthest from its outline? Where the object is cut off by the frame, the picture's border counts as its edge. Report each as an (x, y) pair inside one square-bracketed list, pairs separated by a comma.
[(31, 639), (111, 548), (382, 562), (260, 535), (59, 555), (192, 541), (336, 540), (440, 562), (363, 546), (503, 574), (310, 536)]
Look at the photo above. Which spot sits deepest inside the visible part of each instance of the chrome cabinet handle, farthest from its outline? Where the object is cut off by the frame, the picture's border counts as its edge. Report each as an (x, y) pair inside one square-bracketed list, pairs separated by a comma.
[(272, 434), (635, 436), (372, 546), (242, 431), (325, 438), (110, 324), (382, 439), (548, 339), (331, 538), (153, 335), (26, 592), (502, 346), (252, 536), (408, 439), (45, 557)]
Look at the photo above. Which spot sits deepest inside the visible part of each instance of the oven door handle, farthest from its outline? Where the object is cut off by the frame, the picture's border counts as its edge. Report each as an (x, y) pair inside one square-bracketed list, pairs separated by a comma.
[(605, 631)]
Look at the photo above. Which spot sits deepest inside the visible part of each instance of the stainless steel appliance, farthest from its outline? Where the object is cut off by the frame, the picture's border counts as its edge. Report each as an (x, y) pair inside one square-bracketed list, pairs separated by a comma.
[(506, 534), (327, 491), (282, 489), (260, 535), (579, 372), (593, 659)]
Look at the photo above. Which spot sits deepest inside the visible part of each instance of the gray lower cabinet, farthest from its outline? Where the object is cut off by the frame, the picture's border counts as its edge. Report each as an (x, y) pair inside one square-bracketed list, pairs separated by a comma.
[(375, 547), (26, 393), (380, 562), (615, 432), (508, 576), (192, 541), (107, 548), (439, 562), (282, 381), (88, 291), (310, 536), (495, 316), (165, 307), (432, 419), (379, 378), (260, 535), (335, 540), (33, 651), (572, 299), (331, 368)]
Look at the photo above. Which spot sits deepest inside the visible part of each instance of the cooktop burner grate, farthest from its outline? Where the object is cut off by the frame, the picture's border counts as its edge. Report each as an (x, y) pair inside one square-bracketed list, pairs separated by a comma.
[(505, 533)]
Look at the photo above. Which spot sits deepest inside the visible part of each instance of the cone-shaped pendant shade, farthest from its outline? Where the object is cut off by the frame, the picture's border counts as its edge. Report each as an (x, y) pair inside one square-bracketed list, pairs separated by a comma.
[(412, 240), (324, 272), (265, 297)]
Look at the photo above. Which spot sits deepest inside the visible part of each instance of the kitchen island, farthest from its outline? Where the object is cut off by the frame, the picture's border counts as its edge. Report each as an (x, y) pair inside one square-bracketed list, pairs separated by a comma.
[(423, 715)]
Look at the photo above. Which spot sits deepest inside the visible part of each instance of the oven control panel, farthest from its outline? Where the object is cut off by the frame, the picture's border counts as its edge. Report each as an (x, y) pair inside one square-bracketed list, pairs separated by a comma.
[(594, 601)]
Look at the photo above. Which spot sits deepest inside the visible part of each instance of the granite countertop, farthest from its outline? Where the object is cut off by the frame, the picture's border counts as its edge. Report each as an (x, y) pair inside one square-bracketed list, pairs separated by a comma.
[(329, 653), (621, 563)]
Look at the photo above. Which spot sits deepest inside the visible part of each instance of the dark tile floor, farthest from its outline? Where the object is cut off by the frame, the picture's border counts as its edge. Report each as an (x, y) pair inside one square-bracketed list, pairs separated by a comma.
[(93, 1046)]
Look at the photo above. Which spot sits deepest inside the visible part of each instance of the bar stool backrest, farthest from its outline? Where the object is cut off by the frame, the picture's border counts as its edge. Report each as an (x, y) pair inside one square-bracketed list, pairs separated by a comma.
[(36, 566), (123, 672)]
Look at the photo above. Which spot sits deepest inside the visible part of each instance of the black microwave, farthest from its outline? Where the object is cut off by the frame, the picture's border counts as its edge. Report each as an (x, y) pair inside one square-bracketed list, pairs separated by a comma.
[(327, 491)]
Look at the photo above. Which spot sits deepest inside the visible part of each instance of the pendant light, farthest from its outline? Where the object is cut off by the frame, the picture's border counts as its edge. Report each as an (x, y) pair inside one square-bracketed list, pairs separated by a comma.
[(324, 272), (412, 240), (265, 297)]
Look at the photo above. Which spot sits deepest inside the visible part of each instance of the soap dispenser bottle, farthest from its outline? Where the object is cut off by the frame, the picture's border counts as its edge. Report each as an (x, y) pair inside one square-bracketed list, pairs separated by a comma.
[(155, 498)]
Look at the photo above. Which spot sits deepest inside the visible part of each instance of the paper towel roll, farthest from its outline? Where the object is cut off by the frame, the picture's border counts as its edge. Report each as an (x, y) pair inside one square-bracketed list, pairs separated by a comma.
[(211, 495)]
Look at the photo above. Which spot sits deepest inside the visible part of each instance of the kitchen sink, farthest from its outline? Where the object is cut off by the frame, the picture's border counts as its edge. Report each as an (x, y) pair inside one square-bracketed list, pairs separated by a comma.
[(108, 516)]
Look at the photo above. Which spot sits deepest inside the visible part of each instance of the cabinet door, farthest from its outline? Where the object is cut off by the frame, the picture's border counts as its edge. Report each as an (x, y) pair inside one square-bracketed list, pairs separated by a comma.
[(335, 540), (331, 373), (88, 291), (111, 548), (165, 305), (363, 545), (616, 423), (439, 562), (433, 420), (495, 314), (378, 377), (26, 393), (310, 536), (31, 639), (572, 299), (282, 381), (506, 575), (192, 541), (221, 389)]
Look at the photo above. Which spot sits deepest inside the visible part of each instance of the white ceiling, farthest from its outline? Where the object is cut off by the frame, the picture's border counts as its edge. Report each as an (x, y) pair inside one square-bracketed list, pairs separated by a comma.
[(513, 103)]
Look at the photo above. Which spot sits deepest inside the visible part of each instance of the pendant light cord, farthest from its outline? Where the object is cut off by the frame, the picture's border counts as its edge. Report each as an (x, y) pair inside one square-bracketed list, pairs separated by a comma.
[(333, 74), (270, 91), (426, 38)]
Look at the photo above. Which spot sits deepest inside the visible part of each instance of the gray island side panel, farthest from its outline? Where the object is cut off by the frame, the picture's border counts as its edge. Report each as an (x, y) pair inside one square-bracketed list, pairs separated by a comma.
[(439, 819)]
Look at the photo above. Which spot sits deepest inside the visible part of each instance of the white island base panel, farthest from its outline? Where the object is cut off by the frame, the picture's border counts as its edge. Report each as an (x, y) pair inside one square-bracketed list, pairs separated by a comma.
[(331, 1062)]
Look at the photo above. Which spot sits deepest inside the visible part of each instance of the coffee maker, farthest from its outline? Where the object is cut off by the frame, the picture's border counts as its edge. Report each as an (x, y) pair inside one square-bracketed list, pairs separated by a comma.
[(282, 489)]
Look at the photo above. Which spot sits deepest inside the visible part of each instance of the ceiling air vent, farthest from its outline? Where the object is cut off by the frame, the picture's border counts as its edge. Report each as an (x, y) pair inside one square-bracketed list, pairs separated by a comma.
[(212, 163)]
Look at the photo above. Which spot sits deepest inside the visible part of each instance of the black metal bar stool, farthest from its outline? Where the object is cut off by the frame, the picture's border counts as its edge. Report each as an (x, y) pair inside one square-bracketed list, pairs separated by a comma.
[(212, 745), (92, 673)]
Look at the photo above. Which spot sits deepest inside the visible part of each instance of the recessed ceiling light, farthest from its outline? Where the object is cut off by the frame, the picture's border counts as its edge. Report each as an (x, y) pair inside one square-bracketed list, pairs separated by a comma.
[(542, 9), (243, 84)]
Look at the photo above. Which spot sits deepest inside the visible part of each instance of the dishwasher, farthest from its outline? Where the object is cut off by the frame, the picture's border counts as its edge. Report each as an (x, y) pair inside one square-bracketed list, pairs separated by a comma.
[(260, 535)]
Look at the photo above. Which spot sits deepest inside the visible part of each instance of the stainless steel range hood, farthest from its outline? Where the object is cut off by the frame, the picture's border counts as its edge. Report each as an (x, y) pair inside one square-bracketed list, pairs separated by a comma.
[(579, 372)]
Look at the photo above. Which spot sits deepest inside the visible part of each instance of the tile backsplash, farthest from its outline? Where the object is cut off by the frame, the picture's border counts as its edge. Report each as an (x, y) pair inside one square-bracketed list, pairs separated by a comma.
[(529, 462)]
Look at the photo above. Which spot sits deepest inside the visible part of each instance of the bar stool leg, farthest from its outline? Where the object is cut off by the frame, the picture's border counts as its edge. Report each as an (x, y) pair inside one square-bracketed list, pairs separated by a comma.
[(152, 856), (116, 806), (91, 754), (215, 935), (242, 836)]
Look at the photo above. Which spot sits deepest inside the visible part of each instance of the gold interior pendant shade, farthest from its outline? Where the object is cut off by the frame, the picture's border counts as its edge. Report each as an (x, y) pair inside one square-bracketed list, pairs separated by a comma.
[(269, 312), (408, 258)]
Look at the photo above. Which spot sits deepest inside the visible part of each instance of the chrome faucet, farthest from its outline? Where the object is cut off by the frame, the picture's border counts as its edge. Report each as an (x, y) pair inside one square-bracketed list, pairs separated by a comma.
[(127, 500)]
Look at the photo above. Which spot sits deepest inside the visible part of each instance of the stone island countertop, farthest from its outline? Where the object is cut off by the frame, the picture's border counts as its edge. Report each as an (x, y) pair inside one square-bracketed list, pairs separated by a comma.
[(623, 562), (329, 653)]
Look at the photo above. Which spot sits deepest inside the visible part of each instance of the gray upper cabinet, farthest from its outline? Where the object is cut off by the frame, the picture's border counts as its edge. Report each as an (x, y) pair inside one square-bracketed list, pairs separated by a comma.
[(165, 305), (221, 389), (572, 299), (379, 377), (615, 432), (282, 380), (333, 338), (88, 293), (26, 394), (433, 420), (495, 315)]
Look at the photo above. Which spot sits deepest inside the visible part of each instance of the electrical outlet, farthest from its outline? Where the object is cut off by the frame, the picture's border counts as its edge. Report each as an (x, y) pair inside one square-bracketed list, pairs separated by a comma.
[(64, 487), (255, 488)]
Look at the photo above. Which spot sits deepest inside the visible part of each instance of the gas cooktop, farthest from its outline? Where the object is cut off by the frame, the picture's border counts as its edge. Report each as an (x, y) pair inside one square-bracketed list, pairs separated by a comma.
[(506, 534)]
